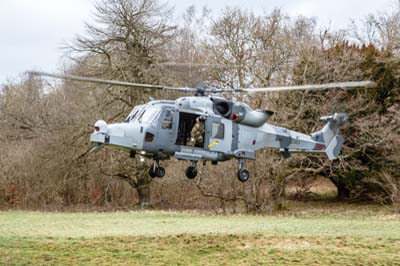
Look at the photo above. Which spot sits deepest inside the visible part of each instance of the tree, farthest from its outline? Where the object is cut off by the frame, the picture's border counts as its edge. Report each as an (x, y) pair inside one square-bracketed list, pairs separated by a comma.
[(369, 156), (262, 51), (126, 43), (382, 29)]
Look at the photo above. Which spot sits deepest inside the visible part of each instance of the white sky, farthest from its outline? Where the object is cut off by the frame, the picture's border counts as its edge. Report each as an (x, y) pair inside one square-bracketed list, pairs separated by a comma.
[(32, 32)]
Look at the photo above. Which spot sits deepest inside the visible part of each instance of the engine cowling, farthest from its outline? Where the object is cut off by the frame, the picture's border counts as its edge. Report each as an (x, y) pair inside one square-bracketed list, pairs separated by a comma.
[(240, 112)]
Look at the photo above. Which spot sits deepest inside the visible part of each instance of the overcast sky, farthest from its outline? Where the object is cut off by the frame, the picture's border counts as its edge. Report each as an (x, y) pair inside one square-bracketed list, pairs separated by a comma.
[(32, 32)]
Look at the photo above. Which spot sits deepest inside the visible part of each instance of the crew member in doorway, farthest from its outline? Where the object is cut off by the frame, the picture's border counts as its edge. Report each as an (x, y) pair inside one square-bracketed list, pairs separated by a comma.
[(197, 133)]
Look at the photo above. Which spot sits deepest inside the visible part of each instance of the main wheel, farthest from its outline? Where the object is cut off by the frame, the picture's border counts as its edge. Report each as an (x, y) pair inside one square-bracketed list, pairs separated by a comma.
[(243, 175), (191, 172), (160, 172), (152, 173)]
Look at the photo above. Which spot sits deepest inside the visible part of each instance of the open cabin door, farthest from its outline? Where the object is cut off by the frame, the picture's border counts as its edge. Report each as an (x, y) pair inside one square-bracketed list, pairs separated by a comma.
[(218, 134)]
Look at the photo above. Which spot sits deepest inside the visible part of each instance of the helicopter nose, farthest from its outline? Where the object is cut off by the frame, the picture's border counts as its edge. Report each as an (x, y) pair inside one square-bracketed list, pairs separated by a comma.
[(123, 135), (101, 127)]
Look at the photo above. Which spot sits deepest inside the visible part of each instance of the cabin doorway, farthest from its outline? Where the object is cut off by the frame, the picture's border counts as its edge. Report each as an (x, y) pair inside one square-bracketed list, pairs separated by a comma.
[(186, 123)]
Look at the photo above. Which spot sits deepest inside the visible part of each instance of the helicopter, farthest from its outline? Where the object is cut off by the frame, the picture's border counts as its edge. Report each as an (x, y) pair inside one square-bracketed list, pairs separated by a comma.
[(161, 129)]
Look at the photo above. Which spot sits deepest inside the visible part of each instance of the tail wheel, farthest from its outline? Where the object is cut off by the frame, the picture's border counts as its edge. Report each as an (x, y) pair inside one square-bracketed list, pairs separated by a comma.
[(243, 175), (191, 172)]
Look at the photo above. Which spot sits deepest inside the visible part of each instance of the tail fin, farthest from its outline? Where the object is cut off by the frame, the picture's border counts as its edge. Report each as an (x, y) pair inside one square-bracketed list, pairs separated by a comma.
[(329, 134)]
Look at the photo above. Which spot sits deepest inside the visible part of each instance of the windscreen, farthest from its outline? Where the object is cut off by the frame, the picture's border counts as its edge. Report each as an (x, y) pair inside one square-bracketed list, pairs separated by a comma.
[(149, 115), (134, 114)]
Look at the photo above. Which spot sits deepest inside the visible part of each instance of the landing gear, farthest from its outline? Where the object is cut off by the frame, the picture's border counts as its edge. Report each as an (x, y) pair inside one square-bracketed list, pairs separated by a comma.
[(191, 171), (160, 172), (243, 174), (285, 153), (156, 170)]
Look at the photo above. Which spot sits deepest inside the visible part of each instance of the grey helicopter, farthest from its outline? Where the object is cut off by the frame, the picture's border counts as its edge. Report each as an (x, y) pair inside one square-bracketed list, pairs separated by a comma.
[(225, 129)]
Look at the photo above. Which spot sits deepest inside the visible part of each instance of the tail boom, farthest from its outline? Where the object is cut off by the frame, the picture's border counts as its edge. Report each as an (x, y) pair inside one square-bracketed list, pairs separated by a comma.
[(327, 140)]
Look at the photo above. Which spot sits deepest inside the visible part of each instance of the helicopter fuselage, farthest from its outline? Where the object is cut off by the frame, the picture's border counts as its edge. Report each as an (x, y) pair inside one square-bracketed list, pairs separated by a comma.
[(161, 129)]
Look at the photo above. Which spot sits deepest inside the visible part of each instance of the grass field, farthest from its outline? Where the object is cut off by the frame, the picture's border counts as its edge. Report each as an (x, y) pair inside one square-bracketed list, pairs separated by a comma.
[(317, 234)]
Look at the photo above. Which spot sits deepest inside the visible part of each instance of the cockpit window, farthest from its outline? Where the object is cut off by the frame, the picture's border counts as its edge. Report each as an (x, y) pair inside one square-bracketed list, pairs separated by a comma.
[(131, 117), (156, 118), (148, 115), (168, 117), (140, 119)]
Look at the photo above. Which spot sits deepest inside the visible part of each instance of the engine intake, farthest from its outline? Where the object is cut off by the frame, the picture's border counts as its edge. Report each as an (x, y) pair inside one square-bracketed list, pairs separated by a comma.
[(222, 107)]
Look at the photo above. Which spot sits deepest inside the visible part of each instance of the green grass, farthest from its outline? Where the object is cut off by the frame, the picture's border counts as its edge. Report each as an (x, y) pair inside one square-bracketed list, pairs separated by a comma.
[(319, 234)]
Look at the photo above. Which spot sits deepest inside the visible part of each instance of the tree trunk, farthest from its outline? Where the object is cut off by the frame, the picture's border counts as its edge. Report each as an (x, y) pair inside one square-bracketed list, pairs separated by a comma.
[(342, 191), (277, 190), (143, 190)]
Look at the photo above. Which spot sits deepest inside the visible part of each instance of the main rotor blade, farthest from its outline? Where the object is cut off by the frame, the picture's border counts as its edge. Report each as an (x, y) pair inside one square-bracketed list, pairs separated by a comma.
[(337, 85), (109, 82), (179, 64)]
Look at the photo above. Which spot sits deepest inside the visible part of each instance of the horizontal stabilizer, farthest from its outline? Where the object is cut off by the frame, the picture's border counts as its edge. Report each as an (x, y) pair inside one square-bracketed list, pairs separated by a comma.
[(338, 118)]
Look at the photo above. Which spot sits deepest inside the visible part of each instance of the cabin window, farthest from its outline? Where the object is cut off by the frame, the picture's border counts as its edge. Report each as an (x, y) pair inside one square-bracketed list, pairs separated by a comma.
[(168, 119), (218, 131)]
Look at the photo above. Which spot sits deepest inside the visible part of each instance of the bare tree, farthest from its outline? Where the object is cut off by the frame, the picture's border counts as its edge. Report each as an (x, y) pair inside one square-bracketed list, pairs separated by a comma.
[(381, 29), (126, 43), (232, 45)]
